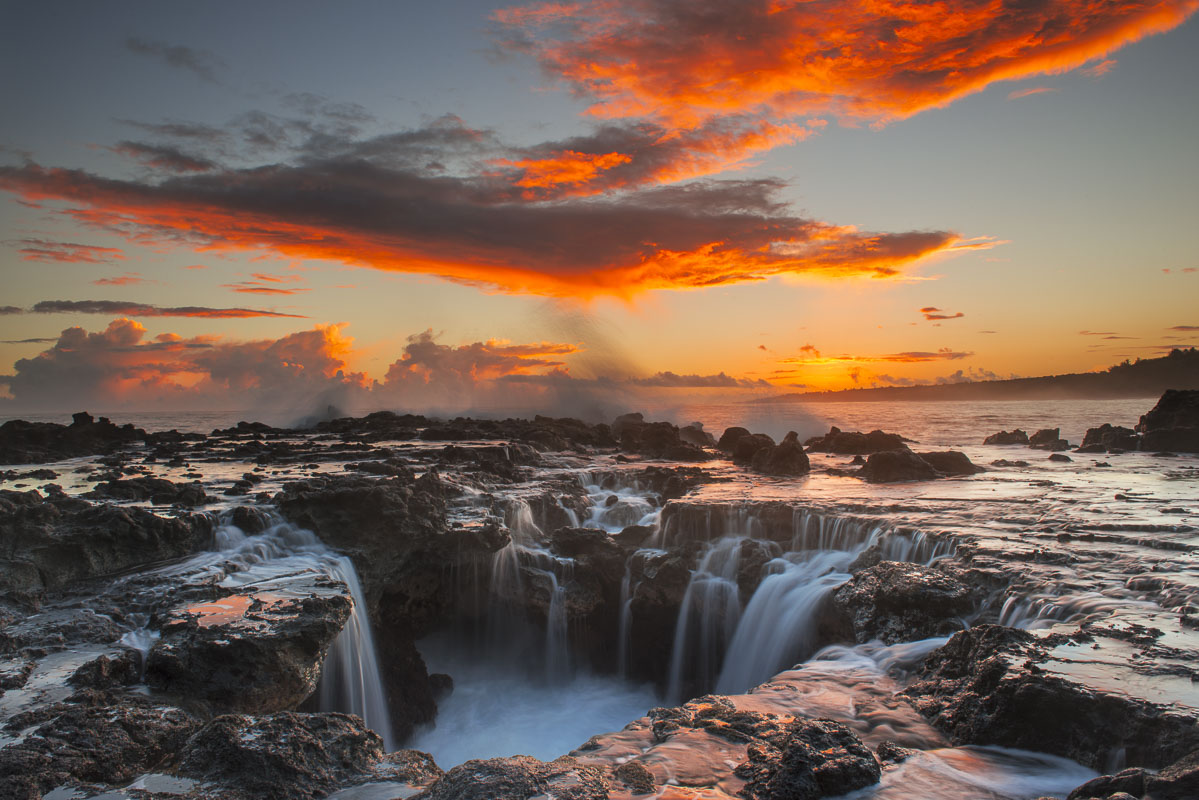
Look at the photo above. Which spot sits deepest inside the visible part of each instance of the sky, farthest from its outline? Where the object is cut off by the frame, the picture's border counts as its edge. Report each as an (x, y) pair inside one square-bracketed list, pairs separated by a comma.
[(469, 204)]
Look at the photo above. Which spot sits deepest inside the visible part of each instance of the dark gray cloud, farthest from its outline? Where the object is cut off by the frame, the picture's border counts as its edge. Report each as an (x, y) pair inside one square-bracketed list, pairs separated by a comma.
[(201, 63), (164, 157), (28, 341), (671, 380), (129, 309)]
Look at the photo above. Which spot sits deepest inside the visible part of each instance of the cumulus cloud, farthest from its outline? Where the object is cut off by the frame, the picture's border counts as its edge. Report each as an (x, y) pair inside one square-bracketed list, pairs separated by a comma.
[(718, 381)]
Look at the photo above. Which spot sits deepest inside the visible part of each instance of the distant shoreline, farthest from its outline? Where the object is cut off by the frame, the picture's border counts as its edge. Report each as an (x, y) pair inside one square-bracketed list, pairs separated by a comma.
[(1144, 378)]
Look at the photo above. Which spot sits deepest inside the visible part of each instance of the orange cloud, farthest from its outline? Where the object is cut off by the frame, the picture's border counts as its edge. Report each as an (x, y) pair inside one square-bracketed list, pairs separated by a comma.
[(145, 310), (872, 60), (1101, 69), (691, 236), (909, 357), (128, 279), (67, 252), (1016, 95), (931, 312)]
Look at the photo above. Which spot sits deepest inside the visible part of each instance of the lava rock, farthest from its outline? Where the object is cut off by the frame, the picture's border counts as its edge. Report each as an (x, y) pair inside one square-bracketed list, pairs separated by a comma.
[(519, 778), (730, 437), (284, 756), (1007, 437), (1059, 457), (816, 758), (784, 459), (993, 685), (658, 440), (157, 490), (890, 466), (24, 442), (951, 462), (1111, 437), (855, 443), (1172, 424), (748, 446), (897, 601), (264, 653), (696, 435)]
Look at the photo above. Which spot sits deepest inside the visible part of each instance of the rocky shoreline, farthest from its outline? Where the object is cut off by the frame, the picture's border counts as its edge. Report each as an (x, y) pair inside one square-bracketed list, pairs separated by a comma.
[(173, 606)]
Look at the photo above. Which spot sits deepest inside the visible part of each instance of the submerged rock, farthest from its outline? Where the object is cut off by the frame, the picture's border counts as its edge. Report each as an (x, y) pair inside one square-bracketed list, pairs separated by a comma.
[(1007, 437), (1048, 439), (997, 685), (1172, 424), (897, 601), (814, 758), (285, 756), (855, 443)]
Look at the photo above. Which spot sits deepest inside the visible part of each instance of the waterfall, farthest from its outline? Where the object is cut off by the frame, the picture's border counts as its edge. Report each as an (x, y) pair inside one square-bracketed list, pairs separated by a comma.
[(350, 678), (778, 627), (708, 617)]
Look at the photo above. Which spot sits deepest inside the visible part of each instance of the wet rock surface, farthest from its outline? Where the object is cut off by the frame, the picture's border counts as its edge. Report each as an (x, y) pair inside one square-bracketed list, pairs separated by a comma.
[(24, 442), (1172, 424), (519, 778), (856, 442), (811, 759), (997, 685), (1178, 781), (786, 459), (901, 602), (1007, 437)]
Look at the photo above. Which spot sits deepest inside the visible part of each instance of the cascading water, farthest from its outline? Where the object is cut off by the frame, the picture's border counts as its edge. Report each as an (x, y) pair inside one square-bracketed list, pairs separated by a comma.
[(708, 617)]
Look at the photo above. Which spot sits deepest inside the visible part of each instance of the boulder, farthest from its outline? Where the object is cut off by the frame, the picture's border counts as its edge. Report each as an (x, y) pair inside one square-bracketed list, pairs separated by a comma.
[(889, 466), (1048, 439), (156, 490), (1001, 686), (251, 653), (855, 443), (784, 459), (520, 778), (658, 440), (814, 758), (1007, 437), (748, 446), (1111, 437), (897, 601), (1179, 781), (284, 756), (730, 437), (951, 463), (1172, 424), (696, 435)]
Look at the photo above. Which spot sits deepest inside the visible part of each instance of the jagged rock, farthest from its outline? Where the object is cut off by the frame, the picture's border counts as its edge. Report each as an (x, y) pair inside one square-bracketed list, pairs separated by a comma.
[(995, 685), (1179, 781), (1048, 439), (1007, 437), (24, 442), (1111, 437), (1172, 424), (696, 435), (1003, 462), (951, 462), (748, 446), (156, 490), (108, 673), (658, 440), (252, 653), (519, 778), (891, 753), (889, 466), (92, 743), (784, 459), (671, 483), (897, 601), (855, 443), (284, 756), (543, 433), (815, 758), (48, 542), (730, 437), (636, 777)]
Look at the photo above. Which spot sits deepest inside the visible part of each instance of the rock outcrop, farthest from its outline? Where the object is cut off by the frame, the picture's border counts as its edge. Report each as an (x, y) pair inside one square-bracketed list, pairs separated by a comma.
[(1007, 437), (786, 459), (897, 601), (24, 442), (855, 443), (1172, 424)]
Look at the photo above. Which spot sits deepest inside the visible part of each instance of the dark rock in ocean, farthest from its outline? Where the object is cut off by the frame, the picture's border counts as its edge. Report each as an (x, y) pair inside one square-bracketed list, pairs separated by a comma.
[(250, 653), (1007, 437), (48, 542), (501, 461), (784, 459), (815, 758), (1048, 439), (891, 753), (24, 442), (284, 756), (1179, 781), (543, 433), (1172, 424), (658, 440), (951, 462), (730, 437), (1111, 437), (671, 483), (696, 435), (897, 601), (1003, 462), (157, 490), (92, 743), (997, 685), (1059, 457), (520, 778), (376, 427), (889, 466), (855, 443), (748, 446)]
